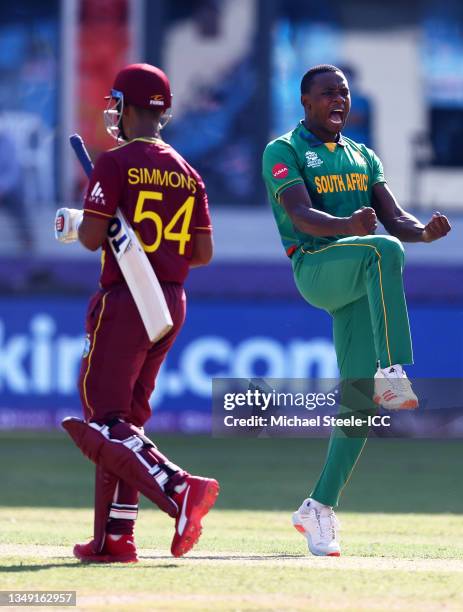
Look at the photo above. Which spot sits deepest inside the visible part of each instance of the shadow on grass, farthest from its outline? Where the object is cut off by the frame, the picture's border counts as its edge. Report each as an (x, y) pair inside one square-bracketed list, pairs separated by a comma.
[(223, 557), (419, 476), (23, 567)]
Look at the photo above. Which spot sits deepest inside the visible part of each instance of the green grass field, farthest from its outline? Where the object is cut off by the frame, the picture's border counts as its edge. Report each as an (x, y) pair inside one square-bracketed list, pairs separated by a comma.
[(402, 529)]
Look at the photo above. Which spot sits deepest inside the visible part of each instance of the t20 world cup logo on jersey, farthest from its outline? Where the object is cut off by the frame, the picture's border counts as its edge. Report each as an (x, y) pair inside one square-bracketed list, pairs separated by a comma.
[(313, 161)]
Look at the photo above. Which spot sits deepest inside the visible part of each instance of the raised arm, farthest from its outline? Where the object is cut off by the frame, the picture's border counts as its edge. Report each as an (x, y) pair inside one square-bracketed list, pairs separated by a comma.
[(402, 224)]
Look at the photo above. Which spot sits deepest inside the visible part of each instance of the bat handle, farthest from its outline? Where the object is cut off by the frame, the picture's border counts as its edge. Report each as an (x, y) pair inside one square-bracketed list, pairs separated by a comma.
[(82, 154)]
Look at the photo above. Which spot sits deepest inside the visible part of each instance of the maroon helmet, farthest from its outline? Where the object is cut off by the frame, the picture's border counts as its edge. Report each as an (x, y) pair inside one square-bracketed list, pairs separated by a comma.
[(140, 85)]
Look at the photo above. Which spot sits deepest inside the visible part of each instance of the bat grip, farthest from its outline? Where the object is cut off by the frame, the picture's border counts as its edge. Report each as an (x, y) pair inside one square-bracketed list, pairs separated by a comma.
[(81, 153)]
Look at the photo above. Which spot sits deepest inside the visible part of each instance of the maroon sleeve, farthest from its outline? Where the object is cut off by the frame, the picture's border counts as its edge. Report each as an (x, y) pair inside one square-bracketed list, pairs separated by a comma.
[(202, 220), (104, 189)]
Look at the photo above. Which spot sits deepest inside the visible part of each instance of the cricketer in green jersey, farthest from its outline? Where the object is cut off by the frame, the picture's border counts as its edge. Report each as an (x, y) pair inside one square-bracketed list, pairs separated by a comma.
[(327, 193)]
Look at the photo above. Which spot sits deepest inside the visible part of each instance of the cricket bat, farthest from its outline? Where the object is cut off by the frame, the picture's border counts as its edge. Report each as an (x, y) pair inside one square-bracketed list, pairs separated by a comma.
[(133, 262)]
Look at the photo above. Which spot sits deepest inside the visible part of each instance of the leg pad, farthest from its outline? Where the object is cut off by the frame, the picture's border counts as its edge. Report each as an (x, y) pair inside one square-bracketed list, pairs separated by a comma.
[(123, 459)]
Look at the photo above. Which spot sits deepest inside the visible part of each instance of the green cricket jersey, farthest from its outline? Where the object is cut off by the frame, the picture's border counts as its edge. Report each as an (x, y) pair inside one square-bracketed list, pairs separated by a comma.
[(338, 176)]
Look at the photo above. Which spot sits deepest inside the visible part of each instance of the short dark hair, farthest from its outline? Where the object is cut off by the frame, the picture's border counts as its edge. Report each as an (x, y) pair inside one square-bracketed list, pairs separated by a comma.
[(308, 77)]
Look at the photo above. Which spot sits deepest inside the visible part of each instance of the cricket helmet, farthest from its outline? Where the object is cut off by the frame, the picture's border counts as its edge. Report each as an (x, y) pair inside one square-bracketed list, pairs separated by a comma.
[(140, 85)]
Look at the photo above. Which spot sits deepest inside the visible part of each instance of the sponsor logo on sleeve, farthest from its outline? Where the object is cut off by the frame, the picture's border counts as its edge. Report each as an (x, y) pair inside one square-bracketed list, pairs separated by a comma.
[(97, 195), (280, 171)]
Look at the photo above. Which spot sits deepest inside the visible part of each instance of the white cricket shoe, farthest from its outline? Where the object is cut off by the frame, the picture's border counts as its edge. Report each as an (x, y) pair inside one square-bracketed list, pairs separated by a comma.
[(319, 525), (393, 390)]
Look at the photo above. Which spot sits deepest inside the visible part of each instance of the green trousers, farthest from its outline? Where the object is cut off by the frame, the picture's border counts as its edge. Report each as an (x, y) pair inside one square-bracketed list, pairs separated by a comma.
[(358, 281)]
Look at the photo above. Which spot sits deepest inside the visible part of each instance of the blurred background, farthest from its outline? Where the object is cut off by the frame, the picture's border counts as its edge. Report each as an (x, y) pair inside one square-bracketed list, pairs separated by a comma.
[(235, 68)]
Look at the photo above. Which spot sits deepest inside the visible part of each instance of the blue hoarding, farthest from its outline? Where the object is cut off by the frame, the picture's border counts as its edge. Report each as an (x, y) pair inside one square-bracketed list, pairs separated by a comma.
[(41, 342)]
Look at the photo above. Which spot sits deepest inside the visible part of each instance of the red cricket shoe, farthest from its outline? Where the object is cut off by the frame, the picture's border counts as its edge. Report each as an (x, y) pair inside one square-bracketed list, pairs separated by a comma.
[(122, 550), (194, 502)]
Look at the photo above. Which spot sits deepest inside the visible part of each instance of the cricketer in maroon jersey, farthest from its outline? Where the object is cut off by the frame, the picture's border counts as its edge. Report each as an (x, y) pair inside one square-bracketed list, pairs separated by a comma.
[(165, 201), (142, 177)]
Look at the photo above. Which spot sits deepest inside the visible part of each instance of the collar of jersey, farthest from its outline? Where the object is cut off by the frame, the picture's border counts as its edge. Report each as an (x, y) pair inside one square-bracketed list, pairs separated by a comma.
[(152, 140), (313, 140)]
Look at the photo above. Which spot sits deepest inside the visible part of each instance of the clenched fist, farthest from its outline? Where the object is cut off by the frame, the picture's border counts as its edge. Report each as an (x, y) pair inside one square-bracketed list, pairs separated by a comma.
[(438, 227), (363, 221)]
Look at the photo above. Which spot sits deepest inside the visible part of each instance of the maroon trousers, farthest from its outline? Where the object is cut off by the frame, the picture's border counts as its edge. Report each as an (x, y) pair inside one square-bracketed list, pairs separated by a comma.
[(119, 370), (120, 364)]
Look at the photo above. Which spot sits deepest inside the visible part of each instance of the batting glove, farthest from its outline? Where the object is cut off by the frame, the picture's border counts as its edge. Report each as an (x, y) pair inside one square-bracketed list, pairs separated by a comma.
[(67, 221)]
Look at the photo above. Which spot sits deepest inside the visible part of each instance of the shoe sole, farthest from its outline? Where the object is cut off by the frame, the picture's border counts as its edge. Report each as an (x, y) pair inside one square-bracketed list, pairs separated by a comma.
[(407, 405), (104, 558), (193, 528), (300, 529)]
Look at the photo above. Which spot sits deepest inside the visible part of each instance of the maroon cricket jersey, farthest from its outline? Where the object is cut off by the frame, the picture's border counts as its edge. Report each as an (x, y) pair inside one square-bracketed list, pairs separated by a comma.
[(161, 196)]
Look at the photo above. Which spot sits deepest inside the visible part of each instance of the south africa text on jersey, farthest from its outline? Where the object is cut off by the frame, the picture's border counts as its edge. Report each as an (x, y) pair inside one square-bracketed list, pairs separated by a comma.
[(167, 178), (352, 181)]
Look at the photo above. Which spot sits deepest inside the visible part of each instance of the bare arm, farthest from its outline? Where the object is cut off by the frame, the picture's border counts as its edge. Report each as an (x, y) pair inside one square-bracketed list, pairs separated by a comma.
[(296, 202), (403, 225), (203, 249), (93, 232)]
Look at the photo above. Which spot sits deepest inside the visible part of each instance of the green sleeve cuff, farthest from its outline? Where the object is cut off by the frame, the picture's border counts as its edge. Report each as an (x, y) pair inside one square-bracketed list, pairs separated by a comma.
[(282, 188)]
